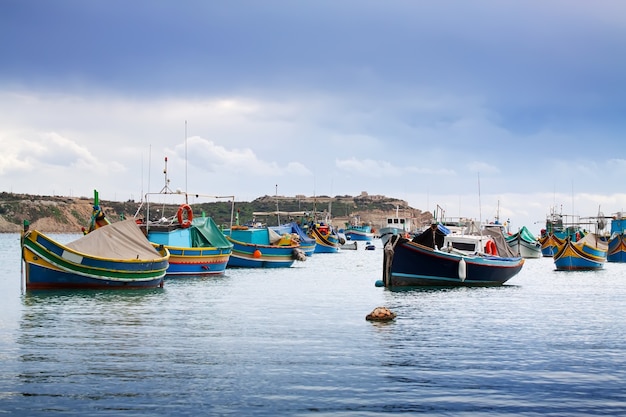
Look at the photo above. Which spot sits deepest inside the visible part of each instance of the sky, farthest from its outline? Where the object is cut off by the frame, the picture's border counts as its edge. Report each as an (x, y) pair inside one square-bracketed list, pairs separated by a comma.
[(484, 108)]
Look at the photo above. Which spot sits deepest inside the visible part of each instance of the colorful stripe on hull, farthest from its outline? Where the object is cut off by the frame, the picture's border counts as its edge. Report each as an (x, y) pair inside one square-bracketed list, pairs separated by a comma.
[(360, 233), (617, 249), (581, 255), (412, 264), (197, 261), (51, 265), (549, 245), (325, 243), (261, 256)]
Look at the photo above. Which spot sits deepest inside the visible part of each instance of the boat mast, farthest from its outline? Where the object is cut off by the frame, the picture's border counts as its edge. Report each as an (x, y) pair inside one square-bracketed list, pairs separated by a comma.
[(186, 196), (277, 212)]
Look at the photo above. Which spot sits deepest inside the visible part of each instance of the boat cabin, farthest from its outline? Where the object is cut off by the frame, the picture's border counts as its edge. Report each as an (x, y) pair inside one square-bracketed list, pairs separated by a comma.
[(469, 245)]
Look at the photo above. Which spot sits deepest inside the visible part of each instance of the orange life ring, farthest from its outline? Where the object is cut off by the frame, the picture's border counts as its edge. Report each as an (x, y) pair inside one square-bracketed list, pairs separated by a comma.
[(490, 248), (186, 222)]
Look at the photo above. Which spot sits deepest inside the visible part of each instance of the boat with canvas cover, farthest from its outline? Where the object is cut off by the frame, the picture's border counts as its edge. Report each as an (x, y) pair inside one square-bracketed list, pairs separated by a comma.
[(117, 255)]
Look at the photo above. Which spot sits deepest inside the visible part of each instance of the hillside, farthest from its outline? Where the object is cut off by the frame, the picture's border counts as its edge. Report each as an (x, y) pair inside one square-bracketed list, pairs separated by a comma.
[(55, 214)]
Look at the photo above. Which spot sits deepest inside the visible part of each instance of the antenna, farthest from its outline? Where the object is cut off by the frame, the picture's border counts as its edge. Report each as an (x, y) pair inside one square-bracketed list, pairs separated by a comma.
[(186, 196), (480, 215), (277, 212), (166, 188)]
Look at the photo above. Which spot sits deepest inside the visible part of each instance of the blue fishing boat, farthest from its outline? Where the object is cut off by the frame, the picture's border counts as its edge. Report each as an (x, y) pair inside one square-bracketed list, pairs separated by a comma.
[(617, 240), (261, 247), (558, 228), (437, 259), (355, 230), (587, 253), (326, 238), (197, 247)]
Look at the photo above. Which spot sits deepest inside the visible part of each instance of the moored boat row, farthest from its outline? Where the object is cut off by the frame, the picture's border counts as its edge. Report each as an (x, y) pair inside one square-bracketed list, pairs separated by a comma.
[(140, 253)]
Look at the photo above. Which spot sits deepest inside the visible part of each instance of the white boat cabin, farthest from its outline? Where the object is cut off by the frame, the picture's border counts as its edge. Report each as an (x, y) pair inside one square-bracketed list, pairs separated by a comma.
[(469, 244)]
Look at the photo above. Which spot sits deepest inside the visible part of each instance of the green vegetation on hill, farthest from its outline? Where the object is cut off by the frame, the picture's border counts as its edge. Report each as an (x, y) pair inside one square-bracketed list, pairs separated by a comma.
[(72, 211)]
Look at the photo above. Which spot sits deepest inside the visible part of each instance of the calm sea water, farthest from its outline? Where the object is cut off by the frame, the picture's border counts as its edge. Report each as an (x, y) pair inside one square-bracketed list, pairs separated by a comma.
[(295, 342)]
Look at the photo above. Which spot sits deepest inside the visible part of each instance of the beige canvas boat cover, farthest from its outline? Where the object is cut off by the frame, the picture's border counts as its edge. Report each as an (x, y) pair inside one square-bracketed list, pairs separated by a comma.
[(122, 240)]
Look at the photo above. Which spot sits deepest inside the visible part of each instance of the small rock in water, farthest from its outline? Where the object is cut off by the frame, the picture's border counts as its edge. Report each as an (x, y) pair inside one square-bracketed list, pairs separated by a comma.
[(381, 314)]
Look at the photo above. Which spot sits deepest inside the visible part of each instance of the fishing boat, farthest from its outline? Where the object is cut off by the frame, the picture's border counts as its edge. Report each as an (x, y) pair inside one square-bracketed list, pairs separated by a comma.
[(584, 250), (524, 243), (326, 238), (355, 230), (439, 259), (197, 246), (115, 255), (617, 239), (558, 227), (261, 247), (587, 253), (394, 225)]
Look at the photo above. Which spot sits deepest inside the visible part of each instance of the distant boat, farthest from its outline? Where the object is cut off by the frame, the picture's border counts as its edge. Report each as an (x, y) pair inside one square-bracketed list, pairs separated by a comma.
[(395, 225), (524, 243), (370, 246), (115, 255), (357, 231), (437, 259), (617, 239), (556, 231), (350, 245), (261, 247), (588, 253)]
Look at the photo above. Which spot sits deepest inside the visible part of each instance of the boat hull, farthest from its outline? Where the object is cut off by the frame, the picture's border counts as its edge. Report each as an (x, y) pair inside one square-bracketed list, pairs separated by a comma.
[(359, 233), (325, 243), (246, 255), (549, 245), (409, 264), (528, 250), (580, 256), (617, 249), (197, 261), (252, 249), (50, 265)]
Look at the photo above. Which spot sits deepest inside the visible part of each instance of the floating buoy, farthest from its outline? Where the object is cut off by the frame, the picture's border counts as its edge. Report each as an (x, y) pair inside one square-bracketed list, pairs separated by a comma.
[(381, 314), (379, 283), (257, 253)]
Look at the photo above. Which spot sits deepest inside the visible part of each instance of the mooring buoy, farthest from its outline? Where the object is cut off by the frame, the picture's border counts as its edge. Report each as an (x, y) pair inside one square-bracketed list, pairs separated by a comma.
[(381, 314)]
